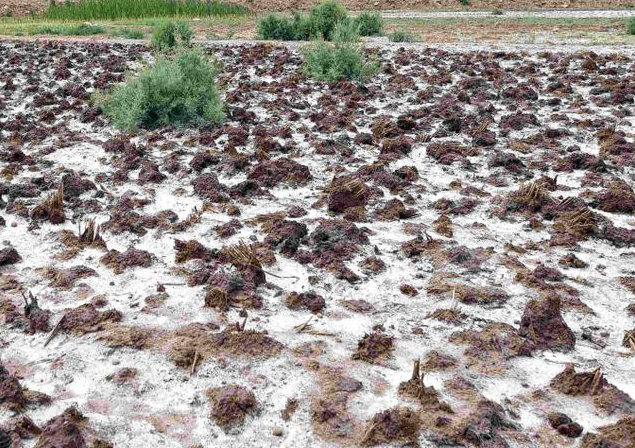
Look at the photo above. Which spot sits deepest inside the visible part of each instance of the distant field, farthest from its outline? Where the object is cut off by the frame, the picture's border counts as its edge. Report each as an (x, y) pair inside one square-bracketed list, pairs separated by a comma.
[(25, 7), (435, 30)]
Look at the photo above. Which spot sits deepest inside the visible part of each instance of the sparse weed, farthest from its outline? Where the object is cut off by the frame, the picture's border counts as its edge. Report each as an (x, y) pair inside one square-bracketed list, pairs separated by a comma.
[(401, 36), (178, 90)]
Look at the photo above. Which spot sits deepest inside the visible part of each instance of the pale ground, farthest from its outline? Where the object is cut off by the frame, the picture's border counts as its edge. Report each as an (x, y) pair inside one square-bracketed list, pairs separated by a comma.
[(125, 415)]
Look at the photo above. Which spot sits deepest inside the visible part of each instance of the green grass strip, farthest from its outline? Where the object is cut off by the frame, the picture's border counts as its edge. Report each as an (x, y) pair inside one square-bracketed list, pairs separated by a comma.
[(135, 9)]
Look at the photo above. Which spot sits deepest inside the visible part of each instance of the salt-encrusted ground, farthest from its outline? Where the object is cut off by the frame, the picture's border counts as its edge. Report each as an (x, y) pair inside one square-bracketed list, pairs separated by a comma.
[(446, 235)]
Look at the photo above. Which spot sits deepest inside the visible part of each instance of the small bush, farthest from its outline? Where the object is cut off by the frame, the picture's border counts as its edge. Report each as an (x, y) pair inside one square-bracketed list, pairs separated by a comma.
[(179, 90), (630, 26), (465, 2), (344, 58), (401, 36), (346, 31), (320, 23), (128, 33), (168, 35), (70, 30), (326, 16), (498, 12), (273, 27), (369, 24)]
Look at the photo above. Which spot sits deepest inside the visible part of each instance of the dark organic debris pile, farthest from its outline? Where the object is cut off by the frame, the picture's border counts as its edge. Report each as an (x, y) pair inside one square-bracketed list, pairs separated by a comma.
[(231, 405), (593, 384)]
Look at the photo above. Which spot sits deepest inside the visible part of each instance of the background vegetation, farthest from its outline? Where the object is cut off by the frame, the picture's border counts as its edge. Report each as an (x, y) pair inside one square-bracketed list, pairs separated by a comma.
[(118, 9)]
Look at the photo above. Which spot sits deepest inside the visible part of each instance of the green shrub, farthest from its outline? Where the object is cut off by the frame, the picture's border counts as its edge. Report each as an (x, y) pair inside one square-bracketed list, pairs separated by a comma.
[(465, 2), (320, 23), (325, 17), (135, 9), (630, 26), (178, 90), (273, 27), (168, 35), (128, 33), (343, 58), (70, 30), (401, 36), (370, 24), (498, 12), (304, 28)]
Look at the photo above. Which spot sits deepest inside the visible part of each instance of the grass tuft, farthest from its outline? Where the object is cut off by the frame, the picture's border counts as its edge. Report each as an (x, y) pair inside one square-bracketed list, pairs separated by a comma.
[(135, 9), (630, 26), (178, 90)]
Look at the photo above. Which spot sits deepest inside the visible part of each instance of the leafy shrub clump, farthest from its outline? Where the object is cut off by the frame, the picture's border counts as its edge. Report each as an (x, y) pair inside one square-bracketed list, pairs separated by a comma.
[(178, 90), (325, 17), (630, 26), (319, 24), (344, 58), (273, 27), (401, 36), (70, 30), (168, 35), (369, 24)]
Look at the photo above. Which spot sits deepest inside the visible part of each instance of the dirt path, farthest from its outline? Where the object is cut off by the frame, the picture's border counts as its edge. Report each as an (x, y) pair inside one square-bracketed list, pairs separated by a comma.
[(551, 14)]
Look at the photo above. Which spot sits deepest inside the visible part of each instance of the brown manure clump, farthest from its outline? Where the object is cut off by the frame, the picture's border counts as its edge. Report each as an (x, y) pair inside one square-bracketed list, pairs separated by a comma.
[(486, 425), (70, 429), (66, 278), (593, 384), (618, 435), (52, 208), (305, 300), (120, 261), (415, 388), (87, 319), (396, 425), (490, 348), (231, 405), (346, 192), (193, 343), (374, 347), (543, 324), (564, 425)]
